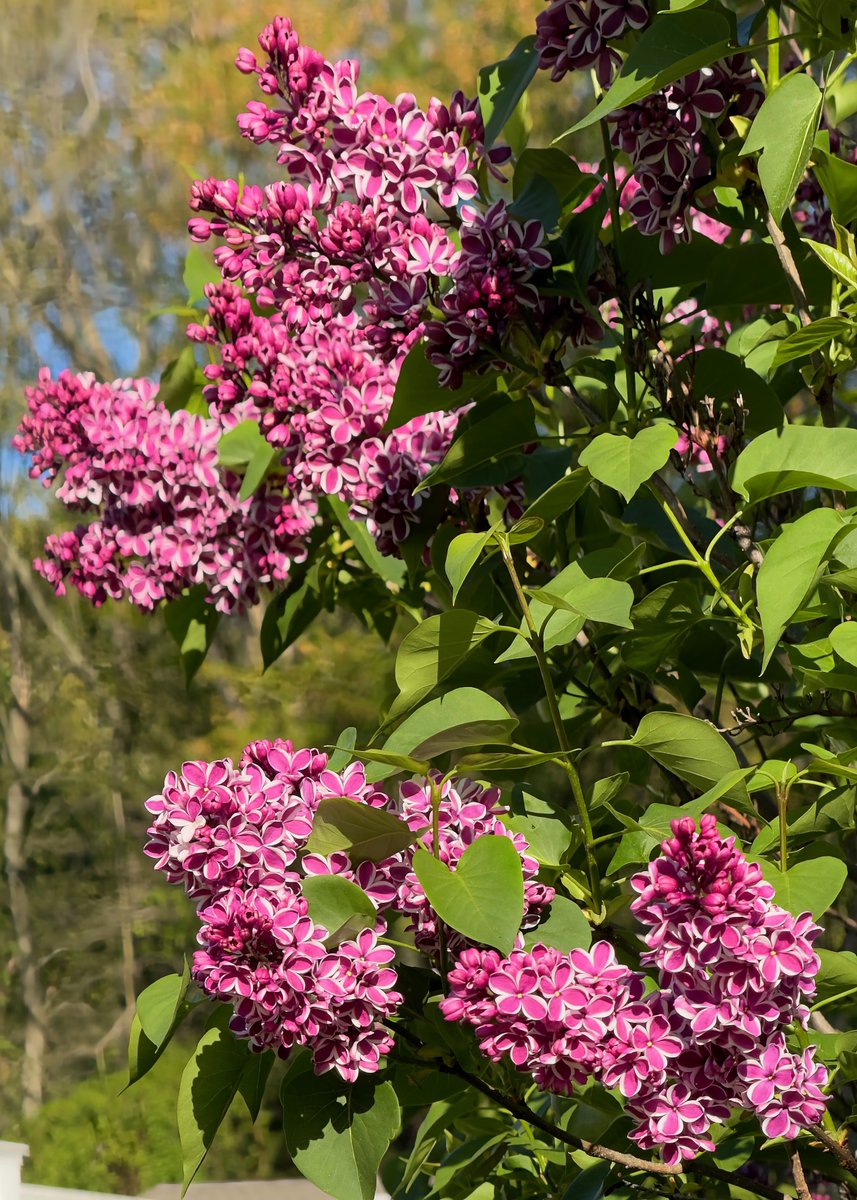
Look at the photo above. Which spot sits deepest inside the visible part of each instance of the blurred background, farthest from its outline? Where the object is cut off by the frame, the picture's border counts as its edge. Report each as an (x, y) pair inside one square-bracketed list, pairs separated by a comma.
[(108, 109)]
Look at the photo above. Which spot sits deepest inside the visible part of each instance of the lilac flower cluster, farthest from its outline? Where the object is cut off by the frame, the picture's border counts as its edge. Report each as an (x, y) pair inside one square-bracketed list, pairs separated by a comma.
[(353, 224), (735, 970), (236, 838), (233, 836), (321, 395), (575, 35), (671, 139), (329, 279), (167, 519)]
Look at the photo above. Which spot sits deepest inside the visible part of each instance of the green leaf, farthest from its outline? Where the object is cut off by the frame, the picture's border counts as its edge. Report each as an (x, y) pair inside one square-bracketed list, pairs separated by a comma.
[(483, 898), (843, 639), (337, 1133), (668, 50), (591, 1182), (687, 263), (751, 273), (838, 180), (606, 600), (367, 834), (254, 1081), (547, 182), (142, 1055), (463, 717), (462, 556), (566, 928), (798, 456), (561, 497), (418, 391), (513, 761), (809, 338), (432, 651), (545, 827), (626, 463), (605, 791), (836, 262), (387, 758), (392, 570), (345, 744), (782, 135), (487, 440), (689, 748), (502, 84), (257, 469), (335, 902), (192, 623), (178, 380), (838, 972), (661, 622), (790, 570), (159, 1006), (240, 445), (809, 886), (209, 1084), (288, 614), (199, 269)]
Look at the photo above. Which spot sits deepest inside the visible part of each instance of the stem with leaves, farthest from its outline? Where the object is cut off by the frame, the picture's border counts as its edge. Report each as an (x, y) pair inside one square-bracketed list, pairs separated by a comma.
[(537, 643)]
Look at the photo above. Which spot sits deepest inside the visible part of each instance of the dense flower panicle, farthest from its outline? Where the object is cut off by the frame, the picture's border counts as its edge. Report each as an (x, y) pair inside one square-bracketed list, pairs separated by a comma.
[(235, 836), (734, 972), (550, 1013), (341, 140), (671, 154), (321, 395), (167, 518)]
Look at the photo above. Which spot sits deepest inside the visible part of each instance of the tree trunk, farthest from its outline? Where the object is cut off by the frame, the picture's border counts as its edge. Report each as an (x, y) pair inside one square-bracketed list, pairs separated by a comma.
[(17, 736)]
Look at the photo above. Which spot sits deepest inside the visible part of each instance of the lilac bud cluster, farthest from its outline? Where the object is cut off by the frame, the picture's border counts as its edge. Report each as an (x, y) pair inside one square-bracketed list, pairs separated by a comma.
[(735, 971)]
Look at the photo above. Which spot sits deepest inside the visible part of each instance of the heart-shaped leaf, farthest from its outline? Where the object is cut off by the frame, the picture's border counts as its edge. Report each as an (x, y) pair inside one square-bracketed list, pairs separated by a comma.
[(626, 463), (337, 1133), (463, 717), (483, 898), (809, 886)]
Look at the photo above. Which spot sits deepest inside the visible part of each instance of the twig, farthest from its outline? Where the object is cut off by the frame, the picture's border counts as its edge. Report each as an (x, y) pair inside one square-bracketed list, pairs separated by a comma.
[(803, 1191), (525, 1113), (841, 1152), (678, 510), (790, 270), (824, 396)]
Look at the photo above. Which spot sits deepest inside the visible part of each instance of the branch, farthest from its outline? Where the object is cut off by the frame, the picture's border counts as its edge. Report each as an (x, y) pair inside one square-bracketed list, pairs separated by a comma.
[(790, 270), (803, 1192), (524, 1113), (836, 1148), (518, 1109)]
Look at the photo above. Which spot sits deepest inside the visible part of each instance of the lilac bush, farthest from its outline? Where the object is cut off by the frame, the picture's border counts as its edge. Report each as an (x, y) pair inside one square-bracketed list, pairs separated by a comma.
[(572, 426)]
